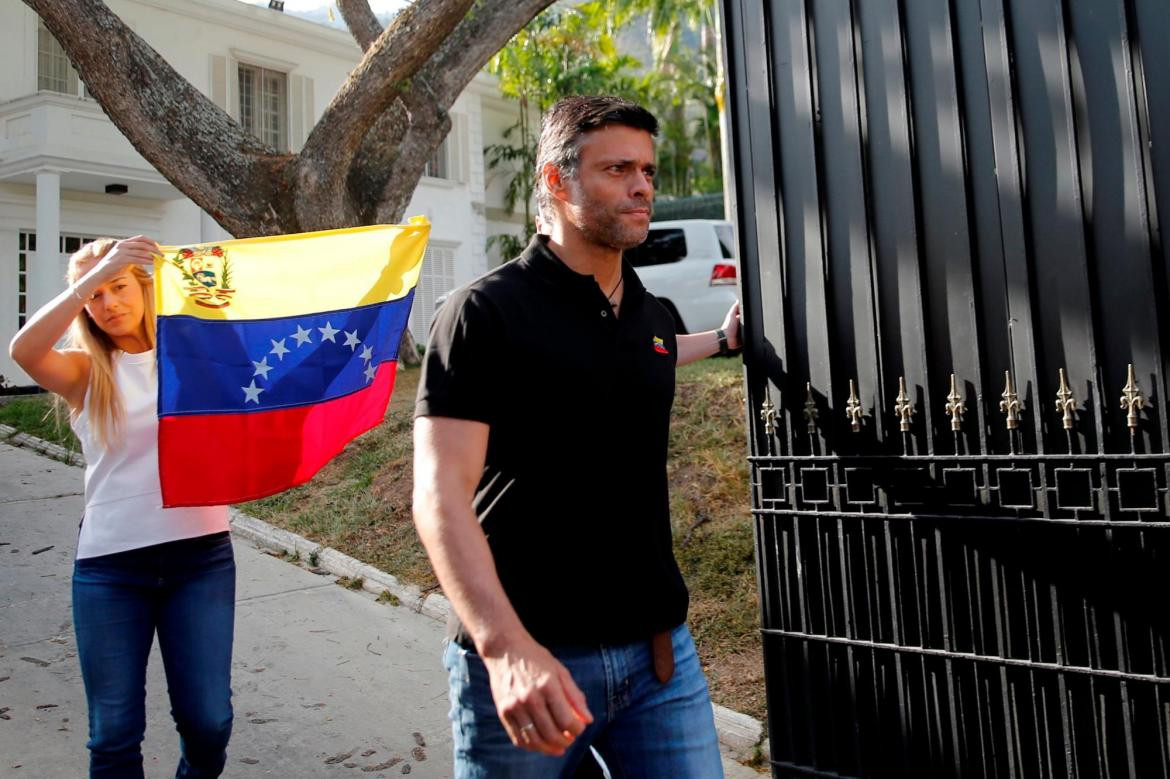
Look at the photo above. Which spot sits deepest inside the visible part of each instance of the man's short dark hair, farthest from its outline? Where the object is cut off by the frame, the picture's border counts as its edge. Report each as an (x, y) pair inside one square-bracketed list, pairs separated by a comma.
[(567, 122)]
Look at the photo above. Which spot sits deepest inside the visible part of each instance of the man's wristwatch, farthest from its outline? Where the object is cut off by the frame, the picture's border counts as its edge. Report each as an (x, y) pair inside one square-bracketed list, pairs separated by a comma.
[(722, 337)]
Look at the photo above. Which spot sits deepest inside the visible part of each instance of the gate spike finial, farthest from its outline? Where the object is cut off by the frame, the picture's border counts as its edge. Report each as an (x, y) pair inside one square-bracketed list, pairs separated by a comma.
[(1010, 404), (1066, 404), (768, 416), (903, 408), (810, 408), (1132, 401), (853, 410), (955, 406)]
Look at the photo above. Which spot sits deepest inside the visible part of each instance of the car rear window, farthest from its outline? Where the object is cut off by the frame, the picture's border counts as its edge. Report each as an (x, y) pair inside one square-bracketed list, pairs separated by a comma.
[(726, 241), (660, 248)]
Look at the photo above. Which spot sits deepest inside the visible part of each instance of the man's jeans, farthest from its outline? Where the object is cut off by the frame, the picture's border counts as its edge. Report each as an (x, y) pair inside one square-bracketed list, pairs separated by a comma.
[(185, 590), (641, 727)]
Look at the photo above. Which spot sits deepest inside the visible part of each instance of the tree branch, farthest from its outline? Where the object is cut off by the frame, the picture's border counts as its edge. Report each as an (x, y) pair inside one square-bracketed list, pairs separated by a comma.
[(383, 74), (474, 41), (381, 145), (195, 145), (445, 75), (359, 18), (429, 123)]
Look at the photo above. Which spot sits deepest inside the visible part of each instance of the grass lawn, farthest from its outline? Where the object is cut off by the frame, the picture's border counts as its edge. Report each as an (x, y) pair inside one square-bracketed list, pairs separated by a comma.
[(35, 415), (360, 504), (713, 539)]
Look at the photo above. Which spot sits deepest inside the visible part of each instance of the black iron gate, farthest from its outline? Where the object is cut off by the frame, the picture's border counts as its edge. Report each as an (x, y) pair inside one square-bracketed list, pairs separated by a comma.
[(955, 281)]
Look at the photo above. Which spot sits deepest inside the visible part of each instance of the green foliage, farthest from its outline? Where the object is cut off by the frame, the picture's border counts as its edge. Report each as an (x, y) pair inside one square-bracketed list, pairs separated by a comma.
[(511, 246), (575, 51), (563, 51), (685, 90), (519, 156)]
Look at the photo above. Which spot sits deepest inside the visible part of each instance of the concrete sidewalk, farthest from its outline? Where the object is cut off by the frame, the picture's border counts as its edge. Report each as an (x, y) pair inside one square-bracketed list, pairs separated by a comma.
[(320, 672), (327, 681)]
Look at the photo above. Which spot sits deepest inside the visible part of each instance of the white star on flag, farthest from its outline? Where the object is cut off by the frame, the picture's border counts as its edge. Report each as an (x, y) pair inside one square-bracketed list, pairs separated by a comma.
[(262, 368), (351, 340), (252, 393), (367, 353), (279, 349), (302, 336), (370, 372), (328, 332)]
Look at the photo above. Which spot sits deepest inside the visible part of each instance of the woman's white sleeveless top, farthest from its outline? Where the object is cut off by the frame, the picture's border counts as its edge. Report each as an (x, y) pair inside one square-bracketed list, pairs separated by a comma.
[(123, 499)]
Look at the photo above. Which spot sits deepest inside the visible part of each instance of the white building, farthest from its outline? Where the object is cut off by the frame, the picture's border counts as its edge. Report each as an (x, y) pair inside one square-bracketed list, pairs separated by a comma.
[(67, 174)]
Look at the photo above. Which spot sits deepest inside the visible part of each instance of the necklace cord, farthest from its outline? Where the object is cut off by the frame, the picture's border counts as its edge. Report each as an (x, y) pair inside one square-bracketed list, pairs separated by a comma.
[(613, 291)]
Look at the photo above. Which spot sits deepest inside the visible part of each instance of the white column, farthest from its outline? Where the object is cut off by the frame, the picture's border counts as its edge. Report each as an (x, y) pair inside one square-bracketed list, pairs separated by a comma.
[(45, 275)]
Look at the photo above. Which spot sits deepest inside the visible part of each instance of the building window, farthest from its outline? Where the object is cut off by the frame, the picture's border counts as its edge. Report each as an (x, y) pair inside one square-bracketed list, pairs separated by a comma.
[(437, 279), (55, 73), (71, 243), (26, 246), (437, 166), (264, 104), (25, 256)]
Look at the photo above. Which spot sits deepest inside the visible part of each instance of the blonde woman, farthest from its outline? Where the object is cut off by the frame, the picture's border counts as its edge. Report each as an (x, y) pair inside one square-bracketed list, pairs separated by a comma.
[(140, 569)]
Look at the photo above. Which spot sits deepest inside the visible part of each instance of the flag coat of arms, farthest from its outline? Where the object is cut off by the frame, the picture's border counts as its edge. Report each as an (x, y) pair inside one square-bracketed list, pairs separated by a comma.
[(273, 353)]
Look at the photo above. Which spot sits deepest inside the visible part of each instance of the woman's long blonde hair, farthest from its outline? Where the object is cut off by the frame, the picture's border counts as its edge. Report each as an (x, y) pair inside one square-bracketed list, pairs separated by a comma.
[(103, 402)]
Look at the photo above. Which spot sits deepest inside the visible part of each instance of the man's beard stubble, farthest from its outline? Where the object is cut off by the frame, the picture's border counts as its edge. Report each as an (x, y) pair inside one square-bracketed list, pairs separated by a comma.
[(603, 225)]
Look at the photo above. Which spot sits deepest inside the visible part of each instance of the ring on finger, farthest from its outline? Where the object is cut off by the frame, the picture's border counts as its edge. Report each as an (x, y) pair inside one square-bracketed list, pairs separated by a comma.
[(526, 730)]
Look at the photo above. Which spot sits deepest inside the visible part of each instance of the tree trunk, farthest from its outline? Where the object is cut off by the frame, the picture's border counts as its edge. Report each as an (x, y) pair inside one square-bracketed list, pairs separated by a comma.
[(408, 349)]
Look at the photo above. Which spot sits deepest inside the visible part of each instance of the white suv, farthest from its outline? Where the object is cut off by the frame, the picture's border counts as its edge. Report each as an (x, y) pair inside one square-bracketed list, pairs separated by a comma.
[(690, 266)]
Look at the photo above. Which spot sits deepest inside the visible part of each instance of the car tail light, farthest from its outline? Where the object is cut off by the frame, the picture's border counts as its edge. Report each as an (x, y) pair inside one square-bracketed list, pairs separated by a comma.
[(722, 273)]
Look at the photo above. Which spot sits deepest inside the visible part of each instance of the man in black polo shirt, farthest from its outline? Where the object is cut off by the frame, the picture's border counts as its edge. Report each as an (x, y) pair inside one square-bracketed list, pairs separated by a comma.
[(540, 481)]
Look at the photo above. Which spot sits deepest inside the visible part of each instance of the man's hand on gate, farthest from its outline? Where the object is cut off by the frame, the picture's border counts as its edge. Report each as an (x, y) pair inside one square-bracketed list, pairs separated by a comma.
[(540, 705), (733, 327)]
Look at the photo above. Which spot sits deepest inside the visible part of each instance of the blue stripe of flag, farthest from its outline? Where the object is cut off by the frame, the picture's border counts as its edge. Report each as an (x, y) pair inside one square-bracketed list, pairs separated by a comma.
[(216, 366)]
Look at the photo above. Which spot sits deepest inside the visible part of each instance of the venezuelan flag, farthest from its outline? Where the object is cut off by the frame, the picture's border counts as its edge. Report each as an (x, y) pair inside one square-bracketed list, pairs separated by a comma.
[(273, 353)]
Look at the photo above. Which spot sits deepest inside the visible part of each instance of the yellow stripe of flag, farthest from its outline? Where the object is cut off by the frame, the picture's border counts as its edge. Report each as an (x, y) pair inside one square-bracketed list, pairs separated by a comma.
[(291, 275)]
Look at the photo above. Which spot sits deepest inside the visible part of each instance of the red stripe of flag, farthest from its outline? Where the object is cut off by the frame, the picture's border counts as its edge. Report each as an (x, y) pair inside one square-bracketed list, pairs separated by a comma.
[(212, 459)]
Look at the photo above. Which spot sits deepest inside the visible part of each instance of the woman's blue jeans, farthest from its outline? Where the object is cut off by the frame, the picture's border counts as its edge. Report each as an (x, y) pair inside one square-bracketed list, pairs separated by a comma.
[(641, 727), (185, 591)]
